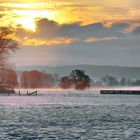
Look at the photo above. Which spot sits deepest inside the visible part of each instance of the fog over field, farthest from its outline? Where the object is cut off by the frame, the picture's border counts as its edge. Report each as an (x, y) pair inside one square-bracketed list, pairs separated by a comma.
[(72, 90)]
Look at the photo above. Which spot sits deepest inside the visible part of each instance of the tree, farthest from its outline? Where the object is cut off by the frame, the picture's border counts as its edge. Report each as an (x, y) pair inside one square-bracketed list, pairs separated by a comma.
[(8, 79), (36, 79), (109, 81), (24, 79), (80, 79), (129, 82), (136, 83), (65, 82), (77, 79), (123, 81), (56, 78), (7, 45)]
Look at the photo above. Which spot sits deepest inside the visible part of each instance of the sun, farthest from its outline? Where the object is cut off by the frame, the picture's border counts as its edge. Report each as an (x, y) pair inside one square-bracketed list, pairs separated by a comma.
[(27, 23), (26, 18)]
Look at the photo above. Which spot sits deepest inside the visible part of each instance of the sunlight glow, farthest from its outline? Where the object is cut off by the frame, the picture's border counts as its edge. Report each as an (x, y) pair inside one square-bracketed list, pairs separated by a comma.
[(27, 23), (27, 17), (27, 12)]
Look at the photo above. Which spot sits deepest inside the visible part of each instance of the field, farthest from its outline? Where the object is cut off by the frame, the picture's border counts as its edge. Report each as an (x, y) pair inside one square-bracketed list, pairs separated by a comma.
[(69, 115)]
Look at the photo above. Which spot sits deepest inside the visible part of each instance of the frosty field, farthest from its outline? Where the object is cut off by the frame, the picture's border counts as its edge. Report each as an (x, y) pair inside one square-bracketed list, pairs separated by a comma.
[(70, 115)]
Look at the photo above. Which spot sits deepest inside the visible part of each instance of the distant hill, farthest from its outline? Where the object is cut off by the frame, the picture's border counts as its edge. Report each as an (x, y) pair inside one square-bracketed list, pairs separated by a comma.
[(94, 71)]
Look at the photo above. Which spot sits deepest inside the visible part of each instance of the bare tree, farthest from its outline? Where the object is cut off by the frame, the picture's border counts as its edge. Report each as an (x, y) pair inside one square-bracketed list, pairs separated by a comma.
[(36, 79), (7, 45)]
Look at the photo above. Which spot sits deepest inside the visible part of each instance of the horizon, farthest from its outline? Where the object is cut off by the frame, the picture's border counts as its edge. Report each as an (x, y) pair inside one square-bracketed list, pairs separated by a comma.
[(76, 65)]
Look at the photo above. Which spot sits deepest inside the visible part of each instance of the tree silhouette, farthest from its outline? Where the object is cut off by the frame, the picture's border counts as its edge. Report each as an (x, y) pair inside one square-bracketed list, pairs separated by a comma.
[(80, 79), (123, 81), (7, 45), (109, 81), (77, 79)]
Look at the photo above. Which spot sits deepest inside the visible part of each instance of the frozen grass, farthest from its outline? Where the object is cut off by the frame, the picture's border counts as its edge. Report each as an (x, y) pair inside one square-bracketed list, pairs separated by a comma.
[(57, 114)]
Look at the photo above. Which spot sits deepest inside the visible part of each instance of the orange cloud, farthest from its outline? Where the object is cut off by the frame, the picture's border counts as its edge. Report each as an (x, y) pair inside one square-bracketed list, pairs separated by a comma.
[(27, 41), (131, 27), (66, 11), (95, 39)]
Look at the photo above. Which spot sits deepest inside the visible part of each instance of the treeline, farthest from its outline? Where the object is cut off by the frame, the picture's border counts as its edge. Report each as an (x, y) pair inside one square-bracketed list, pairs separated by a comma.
[(9, 79), (36, 79), (114, 81), (77, 79)]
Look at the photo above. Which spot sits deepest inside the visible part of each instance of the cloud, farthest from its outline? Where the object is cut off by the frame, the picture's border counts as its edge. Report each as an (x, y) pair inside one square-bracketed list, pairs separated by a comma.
[(122, 52), (51, 28), (136, 31), (90, 31), (27, 41), (131, 27), (1, 15), (66, 11), (94, 39), (49, 32), (47, 28)]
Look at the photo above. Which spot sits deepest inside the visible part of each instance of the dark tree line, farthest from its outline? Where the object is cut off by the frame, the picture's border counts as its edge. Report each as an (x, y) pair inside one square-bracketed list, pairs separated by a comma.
[(113, 81)]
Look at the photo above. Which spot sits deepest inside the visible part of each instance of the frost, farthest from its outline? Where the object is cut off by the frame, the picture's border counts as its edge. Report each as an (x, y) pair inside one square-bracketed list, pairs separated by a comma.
[(70, 115)]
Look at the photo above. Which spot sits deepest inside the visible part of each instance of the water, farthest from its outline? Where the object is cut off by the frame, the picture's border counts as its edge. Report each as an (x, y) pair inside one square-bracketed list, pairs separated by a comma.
[(70, 116)]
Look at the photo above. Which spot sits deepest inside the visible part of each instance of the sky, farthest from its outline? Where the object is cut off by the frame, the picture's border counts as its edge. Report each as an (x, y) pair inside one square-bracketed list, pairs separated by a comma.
[(66, 32)]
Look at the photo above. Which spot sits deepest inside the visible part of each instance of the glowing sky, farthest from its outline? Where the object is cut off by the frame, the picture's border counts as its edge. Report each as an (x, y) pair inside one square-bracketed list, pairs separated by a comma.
[(65, 11), (61, 30)]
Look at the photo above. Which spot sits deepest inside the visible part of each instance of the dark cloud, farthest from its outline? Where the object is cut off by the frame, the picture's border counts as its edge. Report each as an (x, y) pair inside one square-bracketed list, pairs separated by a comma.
[(136, 31), (53, 29), (50, 29), (47, 28)]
